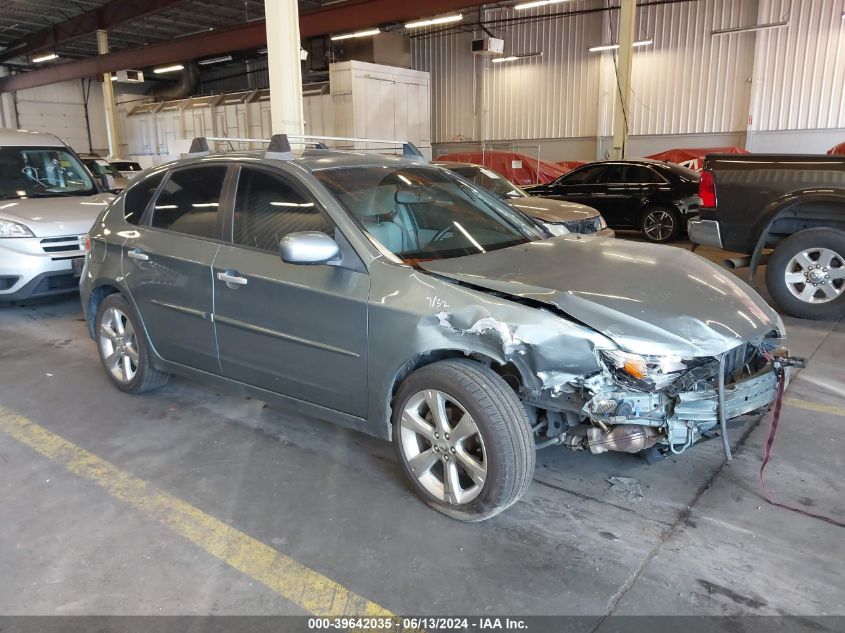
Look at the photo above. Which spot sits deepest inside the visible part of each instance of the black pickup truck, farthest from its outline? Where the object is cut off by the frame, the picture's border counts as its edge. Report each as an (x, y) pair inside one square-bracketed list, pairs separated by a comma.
[(792, 204)]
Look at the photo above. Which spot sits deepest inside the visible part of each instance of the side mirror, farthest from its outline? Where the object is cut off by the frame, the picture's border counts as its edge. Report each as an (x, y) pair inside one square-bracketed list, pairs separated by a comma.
[(308, 247)]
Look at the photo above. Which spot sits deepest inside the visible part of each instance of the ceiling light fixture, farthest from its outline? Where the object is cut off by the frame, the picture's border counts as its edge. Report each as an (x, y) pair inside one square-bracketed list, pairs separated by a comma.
[(215, 60), (746, 29), (347, 36), (513, 58), (45, 58), (446, 19), (537, 3), (613, 47), (168, 69)]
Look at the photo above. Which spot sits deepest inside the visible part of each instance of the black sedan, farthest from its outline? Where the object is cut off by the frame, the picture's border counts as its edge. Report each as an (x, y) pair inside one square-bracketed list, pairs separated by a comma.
[(653, 197)]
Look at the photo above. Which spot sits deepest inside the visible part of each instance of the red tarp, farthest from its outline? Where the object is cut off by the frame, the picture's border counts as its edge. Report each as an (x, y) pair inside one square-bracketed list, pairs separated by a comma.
[(839, 150), (518, 168), (569, 165), (693, 158)]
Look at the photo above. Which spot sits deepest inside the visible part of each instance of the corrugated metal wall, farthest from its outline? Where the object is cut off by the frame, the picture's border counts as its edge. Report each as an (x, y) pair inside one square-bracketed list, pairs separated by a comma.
[(689, 81), (800, 69)]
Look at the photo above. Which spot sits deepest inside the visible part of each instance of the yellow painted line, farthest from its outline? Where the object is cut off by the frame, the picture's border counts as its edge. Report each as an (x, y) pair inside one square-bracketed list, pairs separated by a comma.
[(303, 586), (814, 406)]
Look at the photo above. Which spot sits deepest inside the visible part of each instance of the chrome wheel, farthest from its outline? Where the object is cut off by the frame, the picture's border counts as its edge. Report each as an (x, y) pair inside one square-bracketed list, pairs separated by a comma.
[(658, 225), (816, 275), (118, 345), (443, 447)]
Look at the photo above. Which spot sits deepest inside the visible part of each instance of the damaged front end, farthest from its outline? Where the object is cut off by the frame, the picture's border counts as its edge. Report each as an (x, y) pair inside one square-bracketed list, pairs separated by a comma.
[(637, 402)]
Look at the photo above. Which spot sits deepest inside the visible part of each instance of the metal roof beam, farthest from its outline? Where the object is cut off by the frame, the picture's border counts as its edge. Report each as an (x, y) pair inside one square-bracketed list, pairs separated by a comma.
[(111, 13)]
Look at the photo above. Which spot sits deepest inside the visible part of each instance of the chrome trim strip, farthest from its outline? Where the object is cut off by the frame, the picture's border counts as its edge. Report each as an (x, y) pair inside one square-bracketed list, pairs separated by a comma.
[(183, 309), (282, 335)]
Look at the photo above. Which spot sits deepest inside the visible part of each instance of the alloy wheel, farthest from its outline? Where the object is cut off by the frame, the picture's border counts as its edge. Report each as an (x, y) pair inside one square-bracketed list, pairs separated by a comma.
[(443, 447), (816, 275), (119, 345), (658, 225)]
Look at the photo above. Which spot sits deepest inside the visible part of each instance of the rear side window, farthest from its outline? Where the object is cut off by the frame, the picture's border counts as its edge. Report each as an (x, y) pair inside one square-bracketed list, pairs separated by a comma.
[(637, 174), (189, 200), (268, 207), (138, 196)]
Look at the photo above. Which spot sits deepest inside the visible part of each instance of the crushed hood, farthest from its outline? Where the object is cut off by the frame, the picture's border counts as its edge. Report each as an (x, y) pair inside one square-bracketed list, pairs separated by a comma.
[(550, 210), (648, 299), (59, 216)]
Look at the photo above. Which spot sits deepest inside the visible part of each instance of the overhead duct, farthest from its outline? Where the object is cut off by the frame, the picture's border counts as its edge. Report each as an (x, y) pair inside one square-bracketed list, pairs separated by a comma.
[(186, 87)]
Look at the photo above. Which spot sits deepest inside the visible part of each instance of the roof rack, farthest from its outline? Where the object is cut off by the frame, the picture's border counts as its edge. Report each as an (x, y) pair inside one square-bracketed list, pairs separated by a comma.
[(278, 145)]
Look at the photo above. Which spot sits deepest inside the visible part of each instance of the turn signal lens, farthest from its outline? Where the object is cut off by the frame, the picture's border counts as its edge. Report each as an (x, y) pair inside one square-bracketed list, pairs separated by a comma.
[(636, 367)]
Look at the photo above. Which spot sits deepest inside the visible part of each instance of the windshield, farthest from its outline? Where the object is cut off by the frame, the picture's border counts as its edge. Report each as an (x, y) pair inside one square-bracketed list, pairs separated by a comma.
[(27, 172), (423, 213), (683, 172), (100, 167), (124, 166), (490, 180)]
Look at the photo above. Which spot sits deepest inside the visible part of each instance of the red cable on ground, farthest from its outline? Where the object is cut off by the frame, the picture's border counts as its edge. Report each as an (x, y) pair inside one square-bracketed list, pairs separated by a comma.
[(768, 450)]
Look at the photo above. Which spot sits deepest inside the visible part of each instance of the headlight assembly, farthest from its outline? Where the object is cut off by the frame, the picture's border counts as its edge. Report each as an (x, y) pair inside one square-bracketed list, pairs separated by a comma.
[(14, 229), (645, 373)]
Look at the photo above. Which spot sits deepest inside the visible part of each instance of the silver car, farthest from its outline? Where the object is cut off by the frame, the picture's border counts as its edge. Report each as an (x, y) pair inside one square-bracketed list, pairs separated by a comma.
[(395, 298)]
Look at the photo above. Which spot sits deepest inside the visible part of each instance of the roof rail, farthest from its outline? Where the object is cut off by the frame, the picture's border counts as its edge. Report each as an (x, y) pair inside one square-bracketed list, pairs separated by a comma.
[(279, 145)]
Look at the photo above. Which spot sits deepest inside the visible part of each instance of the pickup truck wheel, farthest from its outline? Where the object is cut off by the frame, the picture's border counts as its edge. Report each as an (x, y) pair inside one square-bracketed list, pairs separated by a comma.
[(463, 438), (123, 349), (660, 225), (806, 274)]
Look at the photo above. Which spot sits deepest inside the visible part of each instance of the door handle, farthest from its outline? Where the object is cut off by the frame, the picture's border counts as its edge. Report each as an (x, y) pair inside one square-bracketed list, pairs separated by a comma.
[(232, 278), (138, 254)]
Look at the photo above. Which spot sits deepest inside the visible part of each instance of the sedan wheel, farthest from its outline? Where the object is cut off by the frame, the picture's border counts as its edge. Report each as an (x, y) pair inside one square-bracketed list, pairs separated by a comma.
[(123, 348), (660, 225), (464, 439), (119, 345), (443, 447)]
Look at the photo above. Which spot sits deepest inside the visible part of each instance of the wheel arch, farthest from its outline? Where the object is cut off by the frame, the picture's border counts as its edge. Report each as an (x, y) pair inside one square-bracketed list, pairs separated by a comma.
[(510, 373), (103, 289), (820, 207)]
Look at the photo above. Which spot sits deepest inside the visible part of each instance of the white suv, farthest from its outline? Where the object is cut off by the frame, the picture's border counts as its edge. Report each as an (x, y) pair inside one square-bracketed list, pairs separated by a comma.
[(48, 202)]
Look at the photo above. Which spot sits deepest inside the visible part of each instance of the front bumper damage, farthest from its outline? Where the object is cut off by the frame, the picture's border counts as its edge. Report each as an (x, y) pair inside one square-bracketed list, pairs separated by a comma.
[(677, 421)]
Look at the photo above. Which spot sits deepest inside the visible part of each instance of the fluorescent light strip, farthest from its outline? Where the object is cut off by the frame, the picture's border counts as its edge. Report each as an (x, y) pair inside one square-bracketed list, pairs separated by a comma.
[(446, 19), (613, 47), (748, 29), (347, 36), (44, 58), (168, 69), (215, 60), (513, 58), (537, 3)]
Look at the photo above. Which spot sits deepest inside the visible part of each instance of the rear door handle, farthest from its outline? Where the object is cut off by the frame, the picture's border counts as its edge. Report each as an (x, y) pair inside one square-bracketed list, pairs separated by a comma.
[(232, 278), (138, 254)]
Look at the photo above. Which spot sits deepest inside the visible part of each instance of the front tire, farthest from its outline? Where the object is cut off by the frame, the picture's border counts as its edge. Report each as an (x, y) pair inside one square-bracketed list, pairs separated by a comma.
[(660, 225), (463, 438), (123, 348), (806, 274)]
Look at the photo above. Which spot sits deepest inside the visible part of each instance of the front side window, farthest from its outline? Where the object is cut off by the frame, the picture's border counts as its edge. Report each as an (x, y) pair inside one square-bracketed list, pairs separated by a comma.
[(267, 208), (189, 200), (138, 196), (423, 213), (44, 172)]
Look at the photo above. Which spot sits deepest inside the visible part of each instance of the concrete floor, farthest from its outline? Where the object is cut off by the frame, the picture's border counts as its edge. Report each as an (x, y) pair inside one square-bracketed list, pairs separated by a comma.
[(702, 540)]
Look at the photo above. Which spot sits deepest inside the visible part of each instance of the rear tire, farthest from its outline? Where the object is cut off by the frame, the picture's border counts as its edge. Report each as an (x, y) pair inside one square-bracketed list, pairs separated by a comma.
[(480, 436), (123, 347), (660, 225), (806, 274)]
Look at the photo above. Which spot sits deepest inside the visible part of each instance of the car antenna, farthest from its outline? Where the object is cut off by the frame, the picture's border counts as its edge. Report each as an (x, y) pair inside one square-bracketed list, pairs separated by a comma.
[(279, 148), (199, 147)]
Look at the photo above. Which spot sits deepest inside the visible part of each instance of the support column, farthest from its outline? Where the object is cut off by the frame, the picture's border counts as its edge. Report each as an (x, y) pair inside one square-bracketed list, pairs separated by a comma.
[(112, 125), (8, 116), (285, 71), (625, 54)]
